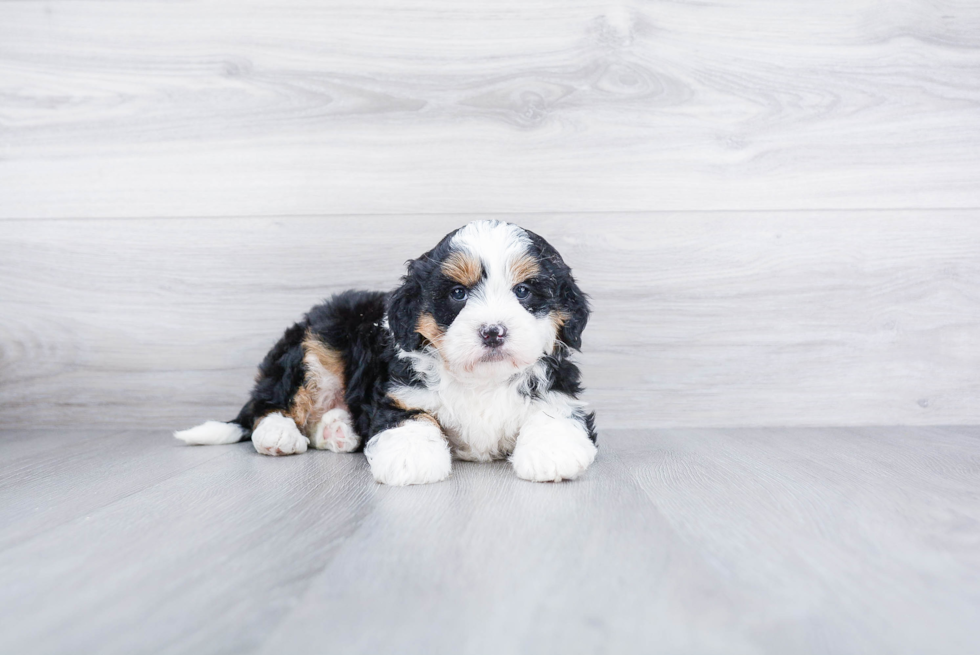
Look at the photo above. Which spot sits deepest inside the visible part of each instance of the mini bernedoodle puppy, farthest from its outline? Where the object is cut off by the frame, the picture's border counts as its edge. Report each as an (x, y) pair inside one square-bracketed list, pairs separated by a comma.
[(468, 357)]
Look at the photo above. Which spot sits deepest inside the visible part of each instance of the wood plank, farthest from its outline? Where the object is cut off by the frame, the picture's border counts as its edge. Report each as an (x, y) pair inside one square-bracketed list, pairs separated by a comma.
[(269, 108), (493, 564), (846, 318), (793, 516), (195, 558), (823, 540), (72, 476), (715, 541), (27, 444)]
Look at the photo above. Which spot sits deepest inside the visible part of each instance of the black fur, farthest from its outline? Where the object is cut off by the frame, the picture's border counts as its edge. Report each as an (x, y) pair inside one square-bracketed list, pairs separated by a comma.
[(589, 420), (564, 377), (352, 323), (424, 289), (562, 290), (405, 307)]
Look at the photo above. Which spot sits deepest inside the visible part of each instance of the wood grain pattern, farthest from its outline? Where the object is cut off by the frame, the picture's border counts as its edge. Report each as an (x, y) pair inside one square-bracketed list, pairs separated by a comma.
[(697, 541), (194, 511), (700, 318), (157, 109), (180, 181)]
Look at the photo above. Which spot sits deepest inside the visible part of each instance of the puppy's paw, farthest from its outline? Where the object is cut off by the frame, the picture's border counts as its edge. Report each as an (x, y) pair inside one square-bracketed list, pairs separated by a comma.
[(552, 451), (334, 432), (415, 452), (278, 435)]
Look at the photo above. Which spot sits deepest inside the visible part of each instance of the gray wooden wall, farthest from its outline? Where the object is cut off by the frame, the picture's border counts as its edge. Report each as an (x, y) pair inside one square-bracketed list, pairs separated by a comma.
[(774, 205)]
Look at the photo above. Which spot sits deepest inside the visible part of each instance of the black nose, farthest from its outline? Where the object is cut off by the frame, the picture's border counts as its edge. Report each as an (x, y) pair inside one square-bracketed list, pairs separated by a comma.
[(493, 335)]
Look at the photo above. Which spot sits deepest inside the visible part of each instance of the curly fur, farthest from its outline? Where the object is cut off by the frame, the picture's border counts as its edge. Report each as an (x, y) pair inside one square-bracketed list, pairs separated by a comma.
[(472, 350)]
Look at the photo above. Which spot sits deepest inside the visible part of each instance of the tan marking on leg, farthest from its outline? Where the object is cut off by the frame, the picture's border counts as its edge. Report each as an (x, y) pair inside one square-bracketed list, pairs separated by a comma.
[(329, 358), (302, 406), (429, 329), (257, 420), (398, 402), (523, 269), (462, 268), (421, 416), (323, 387)]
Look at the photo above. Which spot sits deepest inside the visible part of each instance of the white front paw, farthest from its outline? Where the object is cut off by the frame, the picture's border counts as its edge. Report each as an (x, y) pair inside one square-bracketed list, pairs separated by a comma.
[(335, 432), (552, 451), (278, 435), (415, 452)]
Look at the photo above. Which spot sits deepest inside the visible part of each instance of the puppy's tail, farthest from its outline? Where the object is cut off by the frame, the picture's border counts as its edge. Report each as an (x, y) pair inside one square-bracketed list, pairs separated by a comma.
[(212, 433)]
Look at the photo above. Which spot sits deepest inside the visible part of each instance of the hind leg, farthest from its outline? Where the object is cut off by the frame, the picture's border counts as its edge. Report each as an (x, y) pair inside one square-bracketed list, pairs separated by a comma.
[(276, 434), (335, 432)]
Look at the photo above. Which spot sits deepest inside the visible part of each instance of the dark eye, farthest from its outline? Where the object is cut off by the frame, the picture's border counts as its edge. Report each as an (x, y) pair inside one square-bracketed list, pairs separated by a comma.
[(458, 293), (522, 291)]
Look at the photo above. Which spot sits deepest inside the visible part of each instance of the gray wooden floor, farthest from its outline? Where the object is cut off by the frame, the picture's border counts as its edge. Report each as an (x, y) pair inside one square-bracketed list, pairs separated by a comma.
[(676, 541)]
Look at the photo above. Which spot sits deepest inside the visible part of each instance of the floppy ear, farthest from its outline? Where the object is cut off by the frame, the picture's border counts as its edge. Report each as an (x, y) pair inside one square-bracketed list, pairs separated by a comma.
[(575, 305), (404, 309), (571, 301)]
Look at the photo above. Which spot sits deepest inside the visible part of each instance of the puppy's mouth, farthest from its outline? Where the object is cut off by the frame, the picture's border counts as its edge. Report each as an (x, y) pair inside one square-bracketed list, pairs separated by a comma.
[(494, 359), (493, 355)]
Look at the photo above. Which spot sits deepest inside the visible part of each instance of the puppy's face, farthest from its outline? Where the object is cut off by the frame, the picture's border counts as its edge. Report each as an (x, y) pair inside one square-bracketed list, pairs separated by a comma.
[(491, 298)]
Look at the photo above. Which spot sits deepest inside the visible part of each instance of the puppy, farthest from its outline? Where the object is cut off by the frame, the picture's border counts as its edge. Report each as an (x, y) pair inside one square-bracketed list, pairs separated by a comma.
[(468, 357)]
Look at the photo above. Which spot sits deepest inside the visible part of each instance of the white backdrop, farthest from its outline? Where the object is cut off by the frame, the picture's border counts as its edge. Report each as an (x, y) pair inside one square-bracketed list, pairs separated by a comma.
[(774, 205)]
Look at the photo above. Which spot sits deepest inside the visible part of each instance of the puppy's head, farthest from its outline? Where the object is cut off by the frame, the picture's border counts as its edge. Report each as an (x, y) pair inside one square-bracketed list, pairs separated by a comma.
[(491, 298)]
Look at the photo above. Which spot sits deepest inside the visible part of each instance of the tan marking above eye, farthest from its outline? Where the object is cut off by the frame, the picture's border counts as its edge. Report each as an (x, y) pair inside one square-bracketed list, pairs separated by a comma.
[(523, 269), (463, 268)]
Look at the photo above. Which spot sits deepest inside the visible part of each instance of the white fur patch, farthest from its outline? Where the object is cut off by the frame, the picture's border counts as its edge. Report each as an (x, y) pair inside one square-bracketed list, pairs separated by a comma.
[(335, 432), (415, 452), (482, 421), (552, 449), (492, 302), (278, 435), (211, 433)]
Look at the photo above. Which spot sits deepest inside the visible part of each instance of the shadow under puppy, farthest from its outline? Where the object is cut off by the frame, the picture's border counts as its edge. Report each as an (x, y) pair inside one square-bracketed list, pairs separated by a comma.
[(468, 357)]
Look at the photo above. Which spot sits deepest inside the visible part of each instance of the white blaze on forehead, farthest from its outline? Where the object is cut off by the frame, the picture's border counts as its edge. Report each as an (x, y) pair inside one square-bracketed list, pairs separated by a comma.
[(503, 252), (497, 245)]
